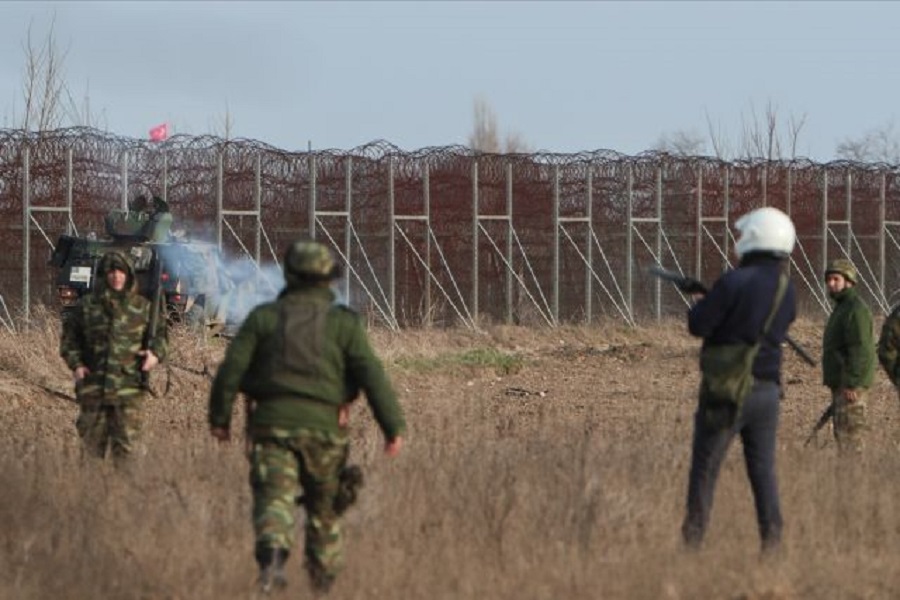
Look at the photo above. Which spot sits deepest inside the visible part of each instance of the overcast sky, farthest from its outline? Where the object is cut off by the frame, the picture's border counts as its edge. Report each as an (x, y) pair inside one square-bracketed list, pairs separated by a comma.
[(565, 76)]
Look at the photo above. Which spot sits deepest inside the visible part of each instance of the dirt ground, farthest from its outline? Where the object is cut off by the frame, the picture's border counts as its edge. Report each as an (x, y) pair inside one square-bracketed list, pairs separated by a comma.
[(540, 463)]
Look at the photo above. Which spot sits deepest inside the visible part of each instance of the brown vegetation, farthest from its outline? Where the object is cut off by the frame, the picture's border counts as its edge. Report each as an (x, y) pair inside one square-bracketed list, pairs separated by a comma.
[(540, 464)]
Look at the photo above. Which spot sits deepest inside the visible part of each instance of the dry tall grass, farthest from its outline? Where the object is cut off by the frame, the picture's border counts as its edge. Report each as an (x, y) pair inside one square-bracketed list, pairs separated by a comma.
[(561, 473)]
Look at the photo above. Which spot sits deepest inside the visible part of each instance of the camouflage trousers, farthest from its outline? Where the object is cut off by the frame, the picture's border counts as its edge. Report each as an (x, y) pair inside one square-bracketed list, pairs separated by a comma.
[(115, 429), (277, 463), (849, 420)]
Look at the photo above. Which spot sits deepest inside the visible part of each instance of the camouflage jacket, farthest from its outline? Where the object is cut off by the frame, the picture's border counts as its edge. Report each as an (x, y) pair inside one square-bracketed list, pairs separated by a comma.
[(848, 344), (299, 358), (104, 333), (889, 346)]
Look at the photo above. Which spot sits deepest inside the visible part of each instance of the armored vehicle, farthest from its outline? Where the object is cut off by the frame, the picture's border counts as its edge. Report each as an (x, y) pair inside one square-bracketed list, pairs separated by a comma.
[(189, 274)]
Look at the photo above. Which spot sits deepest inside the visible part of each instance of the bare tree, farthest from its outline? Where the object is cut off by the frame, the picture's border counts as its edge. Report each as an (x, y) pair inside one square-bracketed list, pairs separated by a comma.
[(763, 134), (81, 113), (758, 139), (682, 143), (43, 82), (516, 144), (795, 128), (48, 100), (717, 138), (485, 136), (223, 127), (880, 144)]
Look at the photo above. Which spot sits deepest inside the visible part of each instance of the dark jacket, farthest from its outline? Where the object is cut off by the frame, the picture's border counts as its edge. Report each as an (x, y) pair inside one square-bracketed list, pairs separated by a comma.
[(736, 308), (848, 344), (889, 346)]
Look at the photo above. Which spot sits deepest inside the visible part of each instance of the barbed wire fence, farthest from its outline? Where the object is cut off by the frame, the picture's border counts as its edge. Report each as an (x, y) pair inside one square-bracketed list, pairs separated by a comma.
[(445, 236)]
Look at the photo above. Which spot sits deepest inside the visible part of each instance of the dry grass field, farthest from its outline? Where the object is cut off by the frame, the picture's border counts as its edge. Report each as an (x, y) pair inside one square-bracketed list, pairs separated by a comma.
[(540, 464)]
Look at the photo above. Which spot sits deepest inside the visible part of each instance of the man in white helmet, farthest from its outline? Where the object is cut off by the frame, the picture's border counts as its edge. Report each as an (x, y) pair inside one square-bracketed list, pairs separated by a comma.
[(753, 303)]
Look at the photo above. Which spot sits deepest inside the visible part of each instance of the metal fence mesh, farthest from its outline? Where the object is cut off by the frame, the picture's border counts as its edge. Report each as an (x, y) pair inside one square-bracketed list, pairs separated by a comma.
[(445, 235)]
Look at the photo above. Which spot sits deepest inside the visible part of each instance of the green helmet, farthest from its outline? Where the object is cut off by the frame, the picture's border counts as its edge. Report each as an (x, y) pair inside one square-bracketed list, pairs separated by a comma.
[(309, 261), (842, 267)]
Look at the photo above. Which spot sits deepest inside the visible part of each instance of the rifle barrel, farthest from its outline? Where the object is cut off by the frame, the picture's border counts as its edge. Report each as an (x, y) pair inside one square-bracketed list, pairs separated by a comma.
[(803, 354), (682, 283), (687, 285), (823, 420), (153, 321)]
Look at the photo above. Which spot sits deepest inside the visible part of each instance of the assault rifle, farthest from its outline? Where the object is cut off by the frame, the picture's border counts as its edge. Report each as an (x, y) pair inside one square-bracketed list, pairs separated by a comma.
[(153, 322), (53, 392), (823, 420), (689, 285)]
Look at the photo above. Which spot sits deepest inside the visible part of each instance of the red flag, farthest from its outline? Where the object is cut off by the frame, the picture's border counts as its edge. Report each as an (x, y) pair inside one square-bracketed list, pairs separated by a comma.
[(159, 133)]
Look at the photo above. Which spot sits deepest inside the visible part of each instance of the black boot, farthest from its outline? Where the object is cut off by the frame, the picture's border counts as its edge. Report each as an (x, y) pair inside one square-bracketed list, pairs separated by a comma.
[(691, 535), (271, 568), (771, 547), (320, 580)]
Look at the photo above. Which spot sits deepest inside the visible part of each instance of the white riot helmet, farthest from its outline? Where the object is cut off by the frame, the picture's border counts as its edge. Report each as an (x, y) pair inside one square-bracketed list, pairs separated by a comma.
[(765, 229)]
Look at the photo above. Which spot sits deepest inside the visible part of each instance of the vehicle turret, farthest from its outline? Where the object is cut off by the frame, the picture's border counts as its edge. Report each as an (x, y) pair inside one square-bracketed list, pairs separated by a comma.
[(148, 221), (190, 279)]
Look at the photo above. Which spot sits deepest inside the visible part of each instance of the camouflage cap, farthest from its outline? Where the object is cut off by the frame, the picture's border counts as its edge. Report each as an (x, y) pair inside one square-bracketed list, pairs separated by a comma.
[(843, 267), (306, 260), (115, 260)]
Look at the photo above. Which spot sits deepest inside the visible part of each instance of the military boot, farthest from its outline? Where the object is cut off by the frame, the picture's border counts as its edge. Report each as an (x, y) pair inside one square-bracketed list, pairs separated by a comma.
[(320, 581), (271, 569)]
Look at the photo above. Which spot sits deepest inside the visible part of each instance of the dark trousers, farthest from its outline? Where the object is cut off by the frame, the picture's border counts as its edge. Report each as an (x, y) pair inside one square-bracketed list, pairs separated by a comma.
[(757, 425)]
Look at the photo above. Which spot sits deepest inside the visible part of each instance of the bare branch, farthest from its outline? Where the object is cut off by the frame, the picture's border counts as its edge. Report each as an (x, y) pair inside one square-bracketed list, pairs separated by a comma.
[(682, 143), (484, 137), (516, 144), (48, 100), (796, 126), (50, 116), (762, 134), (773, 145), (224, 125), (753, 140), (82, 114), (717, 139), (880, 144), (33, 66)]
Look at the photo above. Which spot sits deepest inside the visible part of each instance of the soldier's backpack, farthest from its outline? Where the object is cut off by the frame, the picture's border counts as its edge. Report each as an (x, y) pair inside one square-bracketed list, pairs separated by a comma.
[(727, 372)]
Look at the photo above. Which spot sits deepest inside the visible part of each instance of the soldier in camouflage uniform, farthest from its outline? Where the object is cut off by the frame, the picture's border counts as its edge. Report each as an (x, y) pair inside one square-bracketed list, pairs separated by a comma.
[(299, 359), (848, 354), (103, 343), (889, 347)]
